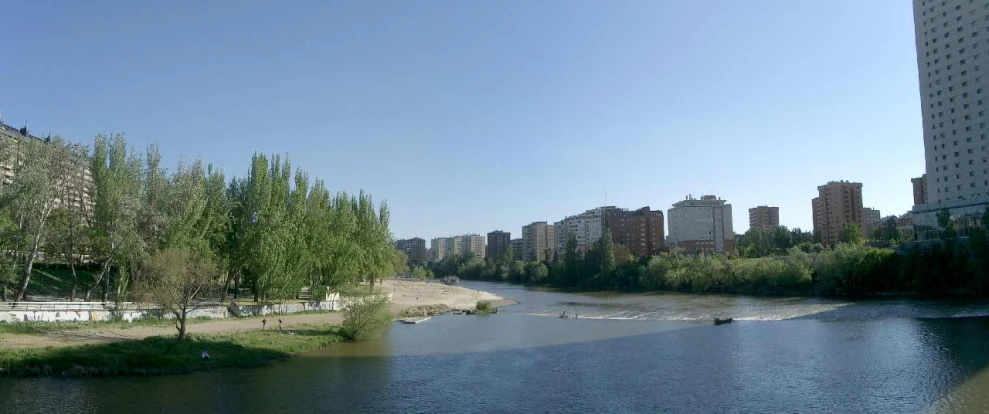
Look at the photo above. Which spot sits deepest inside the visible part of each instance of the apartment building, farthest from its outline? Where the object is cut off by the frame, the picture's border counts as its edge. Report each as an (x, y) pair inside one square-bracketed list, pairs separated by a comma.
[(517, 249), (498, 242), (587, 227), (837, 203), (78, 188), (919, 189), (415, 249), (764, 217), (702, 226), (954, 98), (642, 230), (538, 241)]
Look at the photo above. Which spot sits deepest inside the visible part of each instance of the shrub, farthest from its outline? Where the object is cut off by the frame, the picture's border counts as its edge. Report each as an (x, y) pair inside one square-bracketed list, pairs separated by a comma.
[(484, 307), (366, 318)]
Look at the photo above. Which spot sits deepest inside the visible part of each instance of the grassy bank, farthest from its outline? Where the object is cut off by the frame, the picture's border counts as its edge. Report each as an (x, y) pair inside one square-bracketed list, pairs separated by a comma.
[(164, 355)]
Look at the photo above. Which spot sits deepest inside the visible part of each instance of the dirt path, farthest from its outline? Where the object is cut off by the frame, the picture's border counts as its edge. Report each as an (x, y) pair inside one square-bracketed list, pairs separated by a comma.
[(405, 294)]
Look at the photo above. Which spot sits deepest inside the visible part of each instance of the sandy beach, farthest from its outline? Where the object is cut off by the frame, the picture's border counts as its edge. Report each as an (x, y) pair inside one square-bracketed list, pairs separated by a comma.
[(405, 294)]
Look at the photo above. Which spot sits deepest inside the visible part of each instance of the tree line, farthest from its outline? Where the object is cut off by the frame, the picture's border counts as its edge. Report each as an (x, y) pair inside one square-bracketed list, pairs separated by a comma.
[(772, 262), (274, 230)]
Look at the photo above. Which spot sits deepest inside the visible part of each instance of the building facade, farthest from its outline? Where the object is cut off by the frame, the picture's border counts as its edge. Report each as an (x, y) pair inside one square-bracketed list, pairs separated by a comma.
[(837, 203), (517, 251), (74, 192), (953, 95), (764, 217), (538, 241), (642, 230), (873, 218), (702, 226), (587, 227), (441, 247), (437, 249), (919, 189), (498, 242), (415, 249)]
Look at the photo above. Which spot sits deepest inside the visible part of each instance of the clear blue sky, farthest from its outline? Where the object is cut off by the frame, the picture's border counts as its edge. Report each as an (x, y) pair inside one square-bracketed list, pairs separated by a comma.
[(471, 116)]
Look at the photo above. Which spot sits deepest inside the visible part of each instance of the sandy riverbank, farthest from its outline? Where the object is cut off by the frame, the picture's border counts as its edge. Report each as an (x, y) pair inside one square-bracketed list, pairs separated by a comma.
[(405, 294)]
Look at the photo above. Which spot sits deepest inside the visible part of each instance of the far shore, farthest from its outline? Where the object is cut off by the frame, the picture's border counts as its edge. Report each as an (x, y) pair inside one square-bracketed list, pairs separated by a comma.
[(406, 294)]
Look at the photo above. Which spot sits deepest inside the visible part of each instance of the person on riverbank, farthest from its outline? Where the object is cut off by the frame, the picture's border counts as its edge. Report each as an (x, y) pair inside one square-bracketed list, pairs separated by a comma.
[(205, 355), (263, 323), (279, 325)]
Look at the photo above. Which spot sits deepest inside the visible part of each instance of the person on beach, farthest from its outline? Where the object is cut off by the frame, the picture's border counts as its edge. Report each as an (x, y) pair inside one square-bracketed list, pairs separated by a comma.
[(263, 323)]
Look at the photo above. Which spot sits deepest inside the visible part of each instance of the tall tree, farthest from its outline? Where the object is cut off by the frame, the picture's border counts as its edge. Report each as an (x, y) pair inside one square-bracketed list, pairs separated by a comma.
[(42, 170), (117, 201)]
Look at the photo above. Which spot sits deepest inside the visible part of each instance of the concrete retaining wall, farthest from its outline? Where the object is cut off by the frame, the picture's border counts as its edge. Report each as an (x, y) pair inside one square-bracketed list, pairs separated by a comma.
[(63, 312)]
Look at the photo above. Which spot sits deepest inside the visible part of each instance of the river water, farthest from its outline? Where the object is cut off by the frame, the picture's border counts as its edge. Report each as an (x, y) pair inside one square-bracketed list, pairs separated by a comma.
[(624, 354)]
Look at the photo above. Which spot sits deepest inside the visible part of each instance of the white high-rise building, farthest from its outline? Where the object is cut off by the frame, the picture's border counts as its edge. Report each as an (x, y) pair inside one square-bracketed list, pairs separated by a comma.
[(703, 225), (588, 227), (952, 38)]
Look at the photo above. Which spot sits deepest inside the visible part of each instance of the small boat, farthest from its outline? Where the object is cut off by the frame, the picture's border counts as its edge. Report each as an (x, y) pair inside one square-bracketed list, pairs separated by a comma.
[(718, 321), (451, 280)]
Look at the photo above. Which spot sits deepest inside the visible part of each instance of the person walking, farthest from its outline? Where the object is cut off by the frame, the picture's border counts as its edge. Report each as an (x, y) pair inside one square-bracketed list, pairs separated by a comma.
[(279, 325), (263, 323)]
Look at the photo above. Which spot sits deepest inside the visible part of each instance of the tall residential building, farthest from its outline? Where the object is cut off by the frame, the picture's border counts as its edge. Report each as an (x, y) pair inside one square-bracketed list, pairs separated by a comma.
[(474, 244), (954, 89), (538, 241), (703, 225), (75, 193), (764, 217), (441, 247), (415, 249), (919, 189), (837, 203), (587, 227), (642, 230), (498, 242), (437, 249), (517, 249)]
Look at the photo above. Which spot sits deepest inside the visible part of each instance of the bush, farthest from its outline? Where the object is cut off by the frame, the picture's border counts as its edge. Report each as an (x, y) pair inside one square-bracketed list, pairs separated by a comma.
[(484, 307), (367, 318)]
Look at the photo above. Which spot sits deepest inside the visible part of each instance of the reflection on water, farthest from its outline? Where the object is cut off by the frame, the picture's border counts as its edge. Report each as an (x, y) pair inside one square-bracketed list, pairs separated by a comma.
[(794, 355)]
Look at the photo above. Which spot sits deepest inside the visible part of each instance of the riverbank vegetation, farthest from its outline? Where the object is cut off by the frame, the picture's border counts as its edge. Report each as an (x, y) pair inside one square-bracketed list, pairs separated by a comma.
[(778, 262), (160, 355), (367, 317), (136, 231)]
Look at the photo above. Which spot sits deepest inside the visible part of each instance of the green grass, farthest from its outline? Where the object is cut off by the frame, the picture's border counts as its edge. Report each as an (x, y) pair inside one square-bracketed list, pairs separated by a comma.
[(165, 355)]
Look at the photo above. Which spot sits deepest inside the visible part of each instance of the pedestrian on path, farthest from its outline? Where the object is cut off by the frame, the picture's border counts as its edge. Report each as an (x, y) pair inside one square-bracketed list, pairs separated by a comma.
[(263, 323), (279, 325)]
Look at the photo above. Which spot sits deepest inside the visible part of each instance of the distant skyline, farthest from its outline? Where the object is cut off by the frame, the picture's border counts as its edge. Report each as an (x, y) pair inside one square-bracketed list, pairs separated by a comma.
[(469, 117)]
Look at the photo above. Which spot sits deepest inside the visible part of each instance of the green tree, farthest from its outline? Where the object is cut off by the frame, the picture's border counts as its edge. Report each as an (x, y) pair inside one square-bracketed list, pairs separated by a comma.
[(607, 249), (176, 279), (42, 170), (117, 200), (947, 225), (850, 234)]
